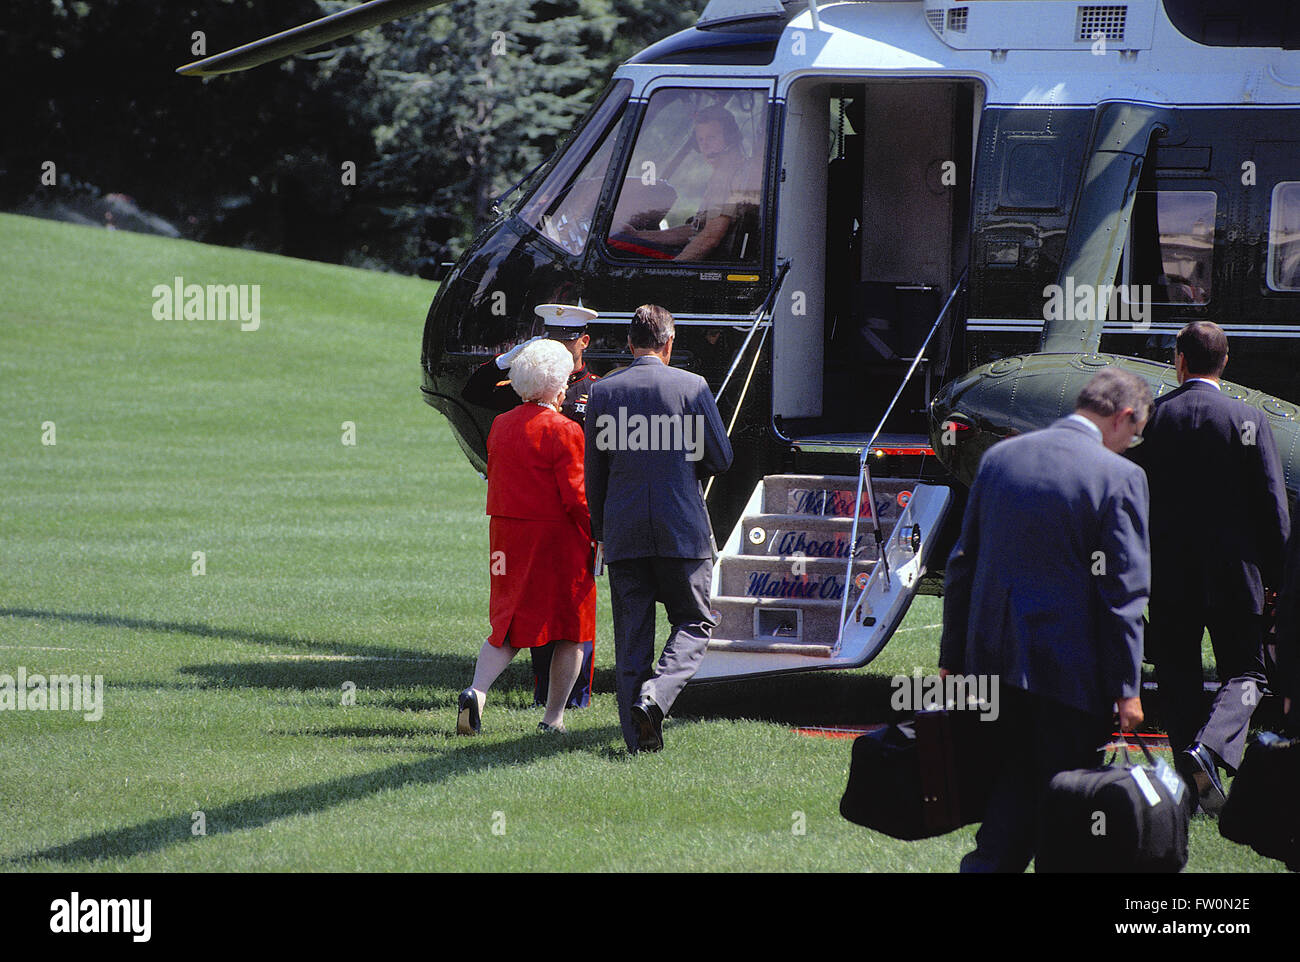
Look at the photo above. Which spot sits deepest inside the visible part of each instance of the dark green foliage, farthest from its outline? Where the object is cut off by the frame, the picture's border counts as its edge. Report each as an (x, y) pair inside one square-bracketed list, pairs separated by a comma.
[(436, 121)]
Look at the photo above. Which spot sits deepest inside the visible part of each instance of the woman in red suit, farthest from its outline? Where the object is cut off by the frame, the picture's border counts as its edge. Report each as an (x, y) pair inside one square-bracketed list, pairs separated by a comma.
[(542, 587)]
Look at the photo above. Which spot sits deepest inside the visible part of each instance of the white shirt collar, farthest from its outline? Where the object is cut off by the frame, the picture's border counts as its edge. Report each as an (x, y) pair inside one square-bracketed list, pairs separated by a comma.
[(1205, 380), (1091, 426)]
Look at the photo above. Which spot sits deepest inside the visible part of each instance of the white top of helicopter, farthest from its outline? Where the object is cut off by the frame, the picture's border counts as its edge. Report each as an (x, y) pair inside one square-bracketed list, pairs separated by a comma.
[(1049, 52)]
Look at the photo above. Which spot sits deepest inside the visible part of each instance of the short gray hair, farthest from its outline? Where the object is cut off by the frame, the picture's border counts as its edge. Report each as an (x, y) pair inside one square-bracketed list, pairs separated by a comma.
[(541, 370), (1112, 389), (651, 327)]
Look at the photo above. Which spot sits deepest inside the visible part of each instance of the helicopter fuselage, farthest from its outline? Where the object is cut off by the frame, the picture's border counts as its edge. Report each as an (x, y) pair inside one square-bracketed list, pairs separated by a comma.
[(890, 154)]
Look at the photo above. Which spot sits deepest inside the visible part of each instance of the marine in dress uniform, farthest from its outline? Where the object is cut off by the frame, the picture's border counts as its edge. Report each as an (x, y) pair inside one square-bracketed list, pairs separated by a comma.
[(489, 387)]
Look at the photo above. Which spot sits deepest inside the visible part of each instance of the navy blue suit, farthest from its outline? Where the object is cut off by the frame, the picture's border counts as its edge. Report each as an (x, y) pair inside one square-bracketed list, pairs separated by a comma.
[(1047, 583), (1045, 590), (1219, 524), (1287, 682)]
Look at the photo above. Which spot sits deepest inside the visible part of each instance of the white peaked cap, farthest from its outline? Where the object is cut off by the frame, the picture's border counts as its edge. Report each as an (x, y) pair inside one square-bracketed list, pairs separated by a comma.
[(565, 320)]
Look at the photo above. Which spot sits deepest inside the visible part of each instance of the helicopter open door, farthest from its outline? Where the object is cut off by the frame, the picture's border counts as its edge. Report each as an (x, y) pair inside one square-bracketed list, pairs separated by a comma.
[(876, 225)]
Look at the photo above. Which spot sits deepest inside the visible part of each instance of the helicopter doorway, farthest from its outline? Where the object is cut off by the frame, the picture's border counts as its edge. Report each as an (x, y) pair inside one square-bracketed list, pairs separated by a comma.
[(893, 213)]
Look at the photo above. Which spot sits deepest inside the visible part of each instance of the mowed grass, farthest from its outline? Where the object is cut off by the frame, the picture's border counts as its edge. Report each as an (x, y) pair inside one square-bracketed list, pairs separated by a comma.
[(333, 573)]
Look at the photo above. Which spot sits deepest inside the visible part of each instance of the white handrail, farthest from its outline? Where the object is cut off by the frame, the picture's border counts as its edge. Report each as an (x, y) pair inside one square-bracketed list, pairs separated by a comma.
[(763, 309), (864, 474)]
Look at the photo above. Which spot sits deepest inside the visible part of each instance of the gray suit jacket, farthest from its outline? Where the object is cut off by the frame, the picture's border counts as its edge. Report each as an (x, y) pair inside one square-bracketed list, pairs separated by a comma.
[(653, 432), (1046, 585)]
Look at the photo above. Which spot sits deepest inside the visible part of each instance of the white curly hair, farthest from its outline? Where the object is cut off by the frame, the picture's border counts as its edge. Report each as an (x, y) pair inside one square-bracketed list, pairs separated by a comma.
[(541, 370)]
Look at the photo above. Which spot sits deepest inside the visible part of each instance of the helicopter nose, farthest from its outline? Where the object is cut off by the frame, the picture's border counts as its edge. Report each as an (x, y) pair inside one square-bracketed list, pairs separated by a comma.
[(955, 435), (948, 417), (949, 431)]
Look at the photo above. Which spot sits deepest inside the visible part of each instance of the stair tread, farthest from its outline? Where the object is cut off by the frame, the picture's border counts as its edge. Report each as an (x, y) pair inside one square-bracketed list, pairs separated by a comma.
[(786, 560), (776, 602), (846, 519), (782, 647), (848, 479)]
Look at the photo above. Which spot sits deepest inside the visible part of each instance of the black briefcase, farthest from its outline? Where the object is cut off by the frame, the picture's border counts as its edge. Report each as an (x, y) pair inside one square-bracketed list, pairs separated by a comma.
[(1121, 817), (919, 778), (1263, 807)]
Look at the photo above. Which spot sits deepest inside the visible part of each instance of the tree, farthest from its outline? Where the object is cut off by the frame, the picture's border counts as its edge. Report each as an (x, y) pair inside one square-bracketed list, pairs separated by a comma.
[(439, 113)]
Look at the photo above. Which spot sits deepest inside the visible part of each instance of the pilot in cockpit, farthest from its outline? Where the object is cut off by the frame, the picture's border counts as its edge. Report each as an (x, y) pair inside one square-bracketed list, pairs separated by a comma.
[(732, 192)]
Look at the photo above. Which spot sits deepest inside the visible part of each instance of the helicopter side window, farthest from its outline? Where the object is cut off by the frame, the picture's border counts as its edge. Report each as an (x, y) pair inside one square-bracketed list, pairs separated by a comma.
[(693, 185), (1284, 237), (563, 207), (1171, 247)]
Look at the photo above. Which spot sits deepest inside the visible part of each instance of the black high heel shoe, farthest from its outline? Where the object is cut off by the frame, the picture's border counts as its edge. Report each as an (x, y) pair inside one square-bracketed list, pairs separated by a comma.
[(468, 721)]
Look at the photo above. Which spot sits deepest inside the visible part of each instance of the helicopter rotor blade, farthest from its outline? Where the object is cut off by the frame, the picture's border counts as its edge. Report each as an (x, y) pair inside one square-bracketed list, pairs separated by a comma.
[(306, 36)]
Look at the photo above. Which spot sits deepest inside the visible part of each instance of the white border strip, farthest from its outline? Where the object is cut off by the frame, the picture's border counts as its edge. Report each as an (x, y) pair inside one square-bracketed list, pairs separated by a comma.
[(1028, 325)]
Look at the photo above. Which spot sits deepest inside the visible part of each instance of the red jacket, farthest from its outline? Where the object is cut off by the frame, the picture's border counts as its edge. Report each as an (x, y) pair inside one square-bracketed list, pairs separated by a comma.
[(535, 468)]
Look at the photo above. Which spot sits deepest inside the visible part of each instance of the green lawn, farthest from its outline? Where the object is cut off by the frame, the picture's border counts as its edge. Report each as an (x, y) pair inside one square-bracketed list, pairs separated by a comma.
[(329, 566)]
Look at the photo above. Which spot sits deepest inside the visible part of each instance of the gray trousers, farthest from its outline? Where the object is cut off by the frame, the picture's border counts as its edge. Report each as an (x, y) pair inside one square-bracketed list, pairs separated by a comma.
[(1174, 648), (682, 585)]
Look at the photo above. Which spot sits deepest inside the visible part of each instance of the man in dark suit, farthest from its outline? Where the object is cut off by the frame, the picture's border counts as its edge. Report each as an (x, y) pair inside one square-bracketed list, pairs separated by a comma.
[(1219, 523), (1044, 592), (1286, 683), (653, 433)]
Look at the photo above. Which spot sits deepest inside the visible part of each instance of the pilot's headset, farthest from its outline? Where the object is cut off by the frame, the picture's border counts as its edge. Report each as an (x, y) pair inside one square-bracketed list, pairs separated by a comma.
[(717, 114)]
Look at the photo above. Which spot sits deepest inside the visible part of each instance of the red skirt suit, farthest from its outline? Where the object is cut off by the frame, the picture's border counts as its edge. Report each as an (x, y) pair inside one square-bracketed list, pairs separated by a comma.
[(540, 533)]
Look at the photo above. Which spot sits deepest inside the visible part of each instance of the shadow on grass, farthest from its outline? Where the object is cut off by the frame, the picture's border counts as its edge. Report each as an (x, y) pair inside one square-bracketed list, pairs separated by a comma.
[(822, 699), (361, 731), (324, 664), (854, 698), (384, 679), (201, 630), (306, 674), (468, 756)]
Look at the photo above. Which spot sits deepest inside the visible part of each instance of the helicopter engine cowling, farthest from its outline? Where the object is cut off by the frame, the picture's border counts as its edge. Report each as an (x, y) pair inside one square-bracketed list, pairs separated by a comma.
[(1021, 393)]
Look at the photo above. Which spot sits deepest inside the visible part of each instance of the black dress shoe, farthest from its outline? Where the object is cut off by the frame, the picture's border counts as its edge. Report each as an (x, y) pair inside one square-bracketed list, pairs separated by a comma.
[(649, 721), (467, 716), (1198, 763)]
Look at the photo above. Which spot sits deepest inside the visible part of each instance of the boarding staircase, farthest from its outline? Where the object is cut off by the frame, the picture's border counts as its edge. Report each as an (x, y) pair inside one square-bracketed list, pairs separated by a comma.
[(778, 585), (820, 569)]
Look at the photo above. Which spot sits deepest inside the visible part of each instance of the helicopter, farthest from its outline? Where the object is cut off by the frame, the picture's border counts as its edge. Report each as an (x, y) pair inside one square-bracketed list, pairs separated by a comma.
[(938, 218)]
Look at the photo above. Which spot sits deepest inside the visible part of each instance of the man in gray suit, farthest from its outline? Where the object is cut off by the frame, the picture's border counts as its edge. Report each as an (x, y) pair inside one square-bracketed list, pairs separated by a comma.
[(1045, 592), (653, 432)]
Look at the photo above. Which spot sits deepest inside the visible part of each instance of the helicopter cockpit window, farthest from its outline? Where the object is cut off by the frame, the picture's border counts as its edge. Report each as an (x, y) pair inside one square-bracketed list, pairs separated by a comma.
[(1284, 238), (564, 205), (1171, 247), (693, 185)]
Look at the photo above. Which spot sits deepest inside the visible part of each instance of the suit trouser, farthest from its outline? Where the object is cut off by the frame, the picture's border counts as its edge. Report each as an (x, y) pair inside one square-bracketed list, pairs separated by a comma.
[(1174, 648), (682, 585), (580, 696), (1033, 738)]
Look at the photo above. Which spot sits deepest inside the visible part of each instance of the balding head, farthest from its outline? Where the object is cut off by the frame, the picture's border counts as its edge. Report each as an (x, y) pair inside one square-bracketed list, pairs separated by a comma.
[(1119, 403)]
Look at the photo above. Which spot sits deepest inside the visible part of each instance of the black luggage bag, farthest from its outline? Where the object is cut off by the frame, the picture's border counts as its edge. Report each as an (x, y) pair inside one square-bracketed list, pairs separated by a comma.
[(1121, 817), (1263, 808), (919, 778)]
